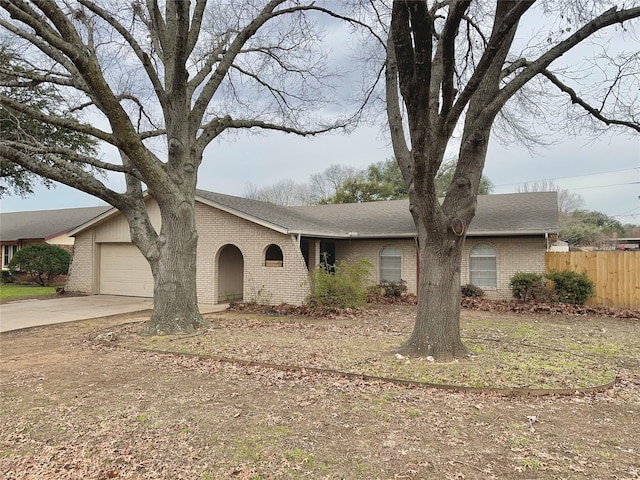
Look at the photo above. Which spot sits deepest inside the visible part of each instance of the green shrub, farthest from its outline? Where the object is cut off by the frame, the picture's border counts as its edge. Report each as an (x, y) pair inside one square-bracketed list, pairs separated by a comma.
[(571, 287), (342, 286), (393, 289), (528, 286), (470, 290), (42, 261), (7, 277)]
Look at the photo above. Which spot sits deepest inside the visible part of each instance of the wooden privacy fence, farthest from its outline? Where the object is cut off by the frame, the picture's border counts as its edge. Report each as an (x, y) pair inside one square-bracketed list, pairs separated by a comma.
[(615, 275)]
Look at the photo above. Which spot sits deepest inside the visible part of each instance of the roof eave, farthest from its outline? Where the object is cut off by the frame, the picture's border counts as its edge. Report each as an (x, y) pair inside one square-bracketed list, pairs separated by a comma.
[(90, 223), (510, 233), (243, 215)]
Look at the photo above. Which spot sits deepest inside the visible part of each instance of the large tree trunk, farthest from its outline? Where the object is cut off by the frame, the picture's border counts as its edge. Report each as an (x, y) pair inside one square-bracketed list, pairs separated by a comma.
[(436, 331), (173, 264)]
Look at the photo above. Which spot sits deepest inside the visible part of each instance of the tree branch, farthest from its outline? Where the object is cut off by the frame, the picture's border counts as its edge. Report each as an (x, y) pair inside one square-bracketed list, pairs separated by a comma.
[(575, 99), (446, 52), (61, 122), (501, 31), (36, 150), (246, 123), (225, 63), (61, 172), (394, 116), (145, 60), (535, 67)]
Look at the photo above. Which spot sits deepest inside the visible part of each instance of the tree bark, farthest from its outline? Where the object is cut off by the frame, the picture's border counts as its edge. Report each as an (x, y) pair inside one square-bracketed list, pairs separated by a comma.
[(173, 265), (436, 330)]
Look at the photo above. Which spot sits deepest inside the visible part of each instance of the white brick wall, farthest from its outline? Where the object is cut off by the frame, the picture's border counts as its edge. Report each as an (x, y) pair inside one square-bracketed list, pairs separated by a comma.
[(370, 249), (289, 283), (271, 285), (514, 254), (80, 278)]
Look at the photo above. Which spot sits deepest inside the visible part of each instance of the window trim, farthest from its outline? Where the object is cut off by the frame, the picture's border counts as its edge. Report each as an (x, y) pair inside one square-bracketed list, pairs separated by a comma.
[(479, 255), (8, 251), (276, 258), (389, 257)]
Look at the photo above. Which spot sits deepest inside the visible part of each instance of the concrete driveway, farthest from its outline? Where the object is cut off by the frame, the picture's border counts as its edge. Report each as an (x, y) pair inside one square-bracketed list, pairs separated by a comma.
[(33, 313)]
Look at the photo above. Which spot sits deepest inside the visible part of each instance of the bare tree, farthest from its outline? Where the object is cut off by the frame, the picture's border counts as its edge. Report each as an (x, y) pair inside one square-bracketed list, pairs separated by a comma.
[(157, 82), (325, 184), (451, 69), (285, 192), (568, 202), (320, 188)]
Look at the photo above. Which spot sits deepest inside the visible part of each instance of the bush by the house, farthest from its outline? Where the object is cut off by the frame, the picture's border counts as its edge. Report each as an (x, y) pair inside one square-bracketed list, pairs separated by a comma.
[(472, 291), (7, 277), (393, 289), (528, 287), (571, 287), (41, 261), (342, 286)]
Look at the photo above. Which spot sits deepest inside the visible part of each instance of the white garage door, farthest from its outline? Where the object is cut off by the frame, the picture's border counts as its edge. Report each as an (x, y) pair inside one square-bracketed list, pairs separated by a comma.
[(124, 271)]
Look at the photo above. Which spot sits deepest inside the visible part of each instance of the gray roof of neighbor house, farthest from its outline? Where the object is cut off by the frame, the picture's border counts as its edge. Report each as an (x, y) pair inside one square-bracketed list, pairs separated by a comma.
[(44, 224), (504, 214)]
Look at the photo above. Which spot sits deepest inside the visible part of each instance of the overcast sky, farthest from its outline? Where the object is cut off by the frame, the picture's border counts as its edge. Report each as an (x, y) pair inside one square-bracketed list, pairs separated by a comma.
[(606, 173)]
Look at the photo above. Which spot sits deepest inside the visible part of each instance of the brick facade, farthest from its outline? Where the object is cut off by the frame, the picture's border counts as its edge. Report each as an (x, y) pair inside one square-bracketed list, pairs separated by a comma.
[(216, 229), (513, 254), (262, 284), (370, 249), (82, 265), (289, 283)]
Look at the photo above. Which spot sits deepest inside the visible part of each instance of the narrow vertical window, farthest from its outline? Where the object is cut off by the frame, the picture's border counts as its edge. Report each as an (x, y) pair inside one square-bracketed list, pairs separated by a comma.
[(390, 264), (482, 266)]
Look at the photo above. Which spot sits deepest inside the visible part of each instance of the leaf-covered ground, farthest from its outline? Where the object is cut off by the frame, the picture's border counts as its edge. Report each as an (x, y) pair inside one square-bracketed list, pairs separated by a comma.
[(73, 407)]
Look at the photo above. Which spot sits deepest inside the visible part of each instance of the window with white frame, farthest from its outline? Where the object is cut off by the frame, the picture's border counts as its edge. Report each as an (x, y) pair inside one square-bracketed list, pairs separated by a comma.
[(390, 264), (482, 266), (7, 254)]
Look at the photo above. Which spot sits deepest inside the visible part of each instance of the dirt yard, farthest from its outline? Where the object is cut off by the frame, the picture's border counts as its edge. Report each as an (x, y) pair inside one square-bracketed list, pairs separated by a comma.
[(73, 407)]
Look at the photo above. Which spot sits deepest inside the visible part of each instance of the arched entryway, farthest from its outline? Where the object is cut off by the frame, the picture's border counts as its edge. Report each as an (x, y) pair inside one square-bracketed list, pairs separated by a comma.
[(230, 274)]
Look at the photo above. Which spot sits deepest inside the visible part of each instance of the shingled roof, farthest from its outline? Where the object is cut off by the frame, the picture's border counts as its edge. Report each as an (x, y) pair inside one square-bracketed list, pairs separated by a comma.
[(504, 214), (44, 224)]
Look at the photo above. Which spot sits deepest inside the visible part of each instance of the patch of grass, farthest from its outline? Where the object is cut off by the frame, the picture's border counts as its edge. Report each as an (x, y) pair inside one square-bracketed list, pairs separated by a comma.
[(247, 449), (612, 442), (297, 456), (142, 418), (532, 463), (519, 442), (9, 292), (504, 354)]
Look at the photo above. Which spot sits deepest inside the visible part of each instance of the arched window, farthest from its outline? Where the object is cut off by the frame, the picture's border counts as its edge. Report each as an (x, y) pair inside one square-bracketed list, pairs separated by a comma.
[(390, 264), (273, 256), (482, 266)]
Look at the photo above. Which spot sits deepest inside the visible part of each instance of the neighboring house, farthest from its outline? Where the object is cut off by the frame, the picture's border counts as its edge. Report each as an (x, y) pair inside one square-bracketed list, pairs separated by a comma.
[(256, 251), (630, 243), (18, 229)]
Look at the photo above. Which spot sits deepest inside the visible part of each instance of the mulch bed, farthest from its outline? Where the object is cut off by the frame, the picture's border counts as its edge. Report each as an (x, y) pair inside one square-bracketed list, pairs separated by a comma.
[(469, 303)]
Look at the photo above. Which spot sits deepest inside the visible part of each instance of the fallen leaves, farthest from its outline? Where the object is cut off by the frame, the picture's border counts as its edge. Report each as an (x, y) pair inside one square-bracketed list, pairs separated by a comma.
[(79, 410)]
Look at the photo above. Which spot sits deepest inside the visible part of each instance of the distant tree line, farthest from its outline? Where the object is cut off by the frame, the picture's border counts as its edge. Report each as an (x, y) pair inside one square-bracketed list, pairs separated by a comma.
[(344, 184), (383, 181), (578, 226)]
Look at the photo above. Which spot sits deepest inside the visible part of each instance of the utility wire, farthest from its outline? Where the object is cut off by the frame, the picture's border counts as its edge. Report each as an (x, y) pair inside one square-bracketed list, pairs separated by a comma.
[(570, 176)]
